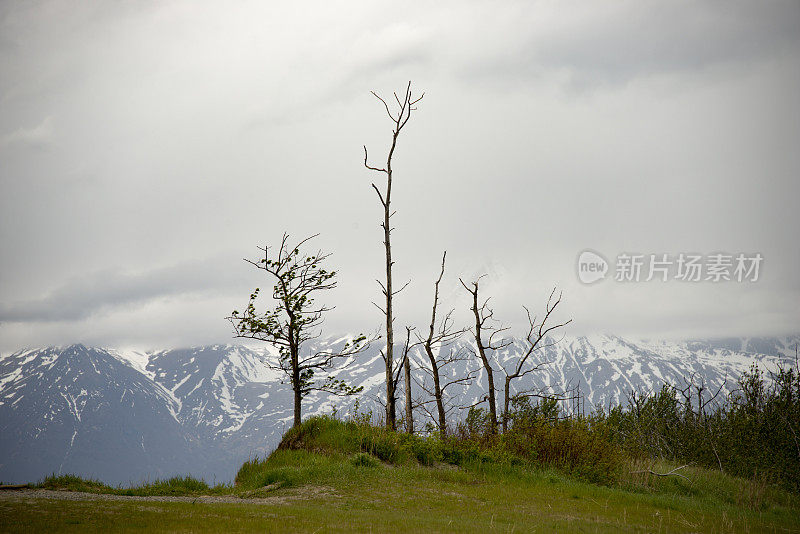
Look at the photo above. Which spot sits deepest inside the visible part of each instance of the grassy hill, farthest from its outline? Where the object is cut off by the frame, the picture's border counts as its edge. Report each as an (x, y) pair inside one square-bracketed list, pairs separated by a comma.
[(334, 476)]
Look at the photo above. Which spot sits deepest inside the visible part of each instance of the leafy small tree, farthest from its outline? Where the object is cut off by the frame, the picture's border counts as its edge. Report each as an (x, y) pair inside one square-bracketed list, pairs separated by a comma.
[(299, 277)]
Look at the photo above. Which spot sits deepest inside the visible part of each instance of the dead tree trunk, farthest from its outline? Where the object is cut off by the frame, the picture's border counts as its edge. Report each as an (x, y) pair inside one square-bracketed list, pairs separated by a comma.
[(399, 120), (407, 384), (437, 388), (482, 315), (439, 336)]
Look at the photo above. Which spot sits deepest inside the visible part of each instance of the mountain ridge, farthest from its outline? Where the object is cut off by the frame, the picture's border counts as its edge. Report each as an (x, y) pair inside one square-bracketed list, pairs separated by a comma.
[(206, 409)]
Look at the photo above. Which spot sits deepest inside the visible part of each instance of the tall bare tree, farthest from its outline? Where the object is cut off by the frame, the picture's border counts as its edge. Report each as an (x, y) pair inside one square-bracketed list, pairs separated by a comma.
[(439, 336), (299, 277), (484, 318), (535, 340), (399, 118)]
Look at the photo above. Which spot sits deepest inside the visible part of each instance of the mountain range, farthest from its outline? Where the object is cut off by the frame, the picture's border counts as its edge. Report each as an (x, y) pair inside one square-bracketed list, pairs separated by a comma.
[(126, 416)]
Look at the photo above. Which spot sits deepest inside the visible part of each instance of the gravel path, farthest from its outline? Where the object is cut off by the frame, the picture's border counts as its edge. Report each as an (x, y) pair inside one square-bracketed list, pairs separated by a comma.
[(25, 494)]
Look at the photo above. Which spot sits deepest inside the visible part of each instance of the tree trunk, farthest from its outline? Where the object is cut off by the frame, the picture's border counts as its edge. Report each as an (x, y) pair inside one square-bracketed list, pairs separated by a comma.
[(507, 392), (437, 391), (492, 401), (409, 406), (296, 386), (485, 360), (390, 389), (391, 405), (387, 232)]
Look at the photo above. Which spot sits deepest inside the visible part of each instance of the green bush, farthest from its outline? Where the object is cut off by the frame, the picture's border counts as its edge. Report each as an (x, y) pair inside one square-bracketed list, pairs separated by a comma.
[(574, 446), (753, 433), (363, 460), (577, 445)]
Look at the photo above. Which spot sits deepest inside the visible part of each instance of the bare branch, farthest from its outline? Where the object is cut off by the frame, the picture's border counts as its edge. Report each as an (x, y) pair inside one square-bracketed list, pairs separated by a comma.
[(385, 105), (367, 165), (402, 288)]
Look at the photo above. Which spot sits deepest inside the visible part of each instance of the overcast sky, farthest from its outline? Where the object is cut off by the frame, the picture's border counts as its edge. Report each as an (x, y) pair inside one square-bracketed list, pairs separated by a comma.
[(146, 148)]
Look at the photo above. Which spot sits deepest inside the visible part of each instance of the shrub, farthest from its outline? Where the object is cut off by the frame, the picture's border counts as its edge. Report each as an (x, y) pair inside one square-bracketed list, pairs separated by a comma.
[(578, 445), (753, 433), (363, 460), (535, 437)]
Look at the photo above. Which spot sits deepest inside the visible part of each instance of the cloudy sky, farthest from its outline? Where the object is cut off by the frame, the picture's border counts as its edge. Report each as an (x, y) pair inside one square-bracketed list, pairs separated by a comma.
[(146, 148)]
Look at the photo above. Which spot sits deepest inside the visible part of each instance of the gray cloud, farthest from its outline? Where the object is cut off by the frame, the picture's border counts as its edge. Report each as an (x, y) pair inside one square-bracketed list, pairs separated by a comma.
[(103, 292), (174, 134), (37, 136), (597, 44)]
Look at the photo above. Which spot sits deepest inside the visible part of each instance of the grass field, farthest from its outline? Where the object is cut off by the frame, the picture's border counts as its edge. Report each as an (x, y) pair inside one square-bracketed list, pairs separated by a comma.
[(328, 491)]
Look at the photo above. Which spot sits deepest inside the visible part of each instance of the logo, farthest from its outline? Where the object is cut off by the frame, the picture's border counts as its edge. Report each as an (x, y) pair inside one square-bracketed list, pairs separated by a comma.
[(591, 267), (684, 267)]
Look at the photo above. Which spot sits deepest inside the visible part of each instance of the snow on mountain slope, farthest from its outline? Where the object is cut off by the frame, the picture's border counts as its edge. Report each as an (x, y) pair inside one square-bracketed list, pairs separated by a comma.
[(78, 409), (205, 410), (218, 388)]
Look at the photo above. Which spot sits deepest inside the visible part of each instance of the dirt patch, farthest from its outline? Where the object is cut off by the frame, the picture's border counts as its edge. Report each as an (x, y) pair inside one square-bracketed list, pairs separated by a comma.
[(313, 492), (301, 493)]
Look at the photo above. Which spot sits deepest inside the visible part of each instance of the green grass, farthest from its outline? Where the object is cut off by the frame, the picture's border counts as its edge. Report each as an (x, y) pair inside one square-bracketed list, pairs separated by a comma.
[(331, 476), (336, 494), (173, 486)]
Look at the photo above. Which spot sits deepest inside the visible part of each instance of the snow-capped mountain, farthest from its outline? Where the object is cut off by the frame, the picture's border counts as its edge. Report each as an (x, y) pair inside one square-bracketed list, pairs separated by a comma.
[(124, 416), (83, 410)]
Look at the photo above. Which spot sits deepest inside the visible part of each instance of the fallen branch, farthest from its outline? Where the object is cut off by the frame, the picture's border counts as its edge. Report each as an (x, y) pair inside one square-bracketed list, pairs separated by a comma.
[(673, 472)]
